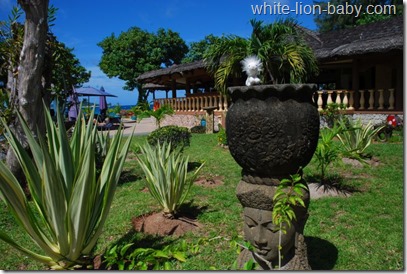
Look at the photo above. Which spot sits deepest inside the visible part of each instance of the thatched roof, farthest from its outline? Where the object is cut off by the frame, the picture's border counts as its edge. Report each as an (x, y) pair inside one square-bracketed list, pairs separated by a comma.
[(181, 68), (378, 37)]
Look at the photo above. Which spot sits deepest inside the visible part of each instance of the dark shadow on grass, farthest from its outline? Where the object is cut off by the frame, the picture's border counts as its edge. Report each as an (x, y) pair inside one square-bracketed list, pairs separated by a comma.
[(331, 183), (193, 165), (191, 211), (322, 255), (128, 176)]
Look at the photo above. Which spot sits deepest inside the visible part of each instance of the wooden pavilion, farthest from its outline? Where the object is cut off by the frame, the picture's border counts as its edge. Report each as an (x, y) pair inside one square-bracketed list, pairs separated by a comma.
[(361, 67)]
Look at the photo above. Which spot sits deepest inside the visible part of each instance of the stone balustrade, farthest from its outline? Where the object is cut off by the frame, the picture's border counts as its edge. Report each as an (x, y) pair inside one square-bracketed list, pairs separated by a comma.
[(370, 100), (365, 100), (196, 103)]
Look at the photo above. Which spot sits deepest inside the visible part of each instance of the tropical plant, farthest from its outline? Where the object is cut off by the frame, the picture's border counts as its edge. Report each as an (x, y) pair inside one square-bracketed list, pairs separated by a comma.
[(179, 137), (116, 109), (222, 137), (166, 174), (332, 113), (327, 150), (158, 114), (356, 138), (280, 46), (70, 203), (287, 196), (126, 257)]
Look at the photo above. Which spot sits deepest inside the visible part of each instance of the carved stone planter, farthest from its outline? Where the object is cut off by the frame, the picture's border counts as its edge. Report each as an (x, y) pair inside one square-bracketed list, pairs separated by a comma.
[(272, 131)]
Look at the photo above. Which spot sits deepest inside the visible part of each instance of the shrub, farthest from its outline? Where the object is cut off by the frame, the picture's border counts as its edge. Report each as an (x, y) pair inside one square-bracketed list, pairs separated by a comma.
[(222, 138), (332, 113), (198, 129), (167, 177), (71, 202), (177, 136)]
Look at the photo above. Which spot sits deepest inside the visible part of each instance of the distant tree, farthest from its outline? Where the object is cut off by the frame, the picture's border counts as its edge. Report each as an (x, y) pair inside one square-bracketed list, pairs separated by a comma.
[(197, 49), (137, 51), (66, 69), (335, 21)]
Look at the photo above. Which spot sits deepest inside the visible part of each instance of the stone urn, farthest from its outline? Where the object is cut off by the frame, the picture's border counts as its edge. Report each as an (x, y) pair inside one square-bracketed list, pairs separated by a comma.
[(272, 132)]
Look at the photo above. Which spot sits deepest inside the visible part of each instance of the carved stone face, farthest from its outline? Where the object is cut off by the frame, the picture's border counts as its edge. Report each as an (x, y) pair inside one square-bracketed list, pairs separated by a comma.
[(263, 235)]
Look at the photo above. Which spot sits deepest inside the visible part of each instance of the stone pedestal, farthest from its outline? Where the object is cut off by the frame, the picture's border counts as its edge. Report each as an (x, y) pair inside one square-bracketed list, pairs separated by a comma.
[(272, 132)]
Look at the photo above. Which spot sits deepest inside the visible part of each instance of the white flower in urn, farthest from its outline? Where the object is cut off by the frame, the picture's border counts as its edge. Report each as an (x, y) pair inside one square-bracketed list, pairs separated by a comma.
[(252, 65)]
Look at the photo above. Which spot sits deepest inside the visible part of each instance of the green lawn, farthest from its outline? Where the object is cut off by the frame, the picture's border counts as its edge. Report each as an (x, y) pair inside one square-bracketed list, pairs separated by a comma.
[(362, 232)]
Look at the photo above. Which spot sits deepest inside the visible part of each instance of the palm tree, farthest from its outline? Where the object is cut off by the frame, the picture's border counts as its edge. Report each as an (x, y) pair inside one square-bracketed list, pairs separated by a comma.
[(280, 46)]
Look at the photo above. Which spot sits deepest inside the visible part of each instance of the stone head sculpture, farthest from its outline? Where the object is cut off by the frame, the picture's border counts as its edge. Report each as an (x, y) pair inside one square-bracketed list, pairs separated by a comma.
[(259, 229)]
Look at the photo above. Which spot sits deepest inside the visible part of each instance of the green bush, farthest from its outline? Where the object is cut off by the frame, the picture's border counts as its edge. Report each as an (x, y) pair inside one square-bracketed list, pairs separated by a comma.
[(332, 113), (177, 136), (222, 139), (198, 129)]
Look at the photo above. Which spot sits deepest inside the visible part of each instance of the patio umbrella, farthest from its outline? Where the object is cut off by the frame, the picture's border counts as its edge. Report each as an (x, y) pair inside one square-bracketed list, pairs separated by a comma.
[(91, 91)]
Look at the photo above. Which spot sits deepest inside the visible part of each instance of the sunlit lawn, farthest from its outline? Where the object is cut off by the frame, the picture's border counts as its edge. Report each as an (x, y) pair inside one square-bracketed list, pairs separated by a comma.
[(362, 232)]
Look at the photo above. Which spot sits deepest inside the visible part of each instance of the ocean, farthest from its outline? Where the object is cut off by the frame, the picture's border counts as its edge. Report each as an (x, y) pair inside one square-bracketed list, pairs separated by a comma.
[(126, 107)]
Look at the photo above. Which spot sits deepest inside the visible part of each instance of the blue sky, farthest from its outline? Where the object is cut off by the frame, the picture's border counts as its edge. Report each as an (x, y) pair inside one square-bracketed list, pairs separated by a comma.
[(82, 24)]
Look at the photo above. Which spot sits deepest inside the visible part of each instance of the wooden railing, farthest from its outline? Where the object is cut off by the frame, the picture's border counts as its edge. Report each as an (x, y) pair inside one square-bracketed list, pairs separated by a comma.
[(380, 99), (196, 103)]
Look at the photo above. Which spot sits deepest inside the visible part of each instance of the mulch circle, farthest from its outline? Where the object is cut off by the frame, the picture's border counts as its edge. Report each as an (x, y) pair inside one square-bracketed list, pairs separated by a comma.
[(212, 181), (157, 224), (374, 162)]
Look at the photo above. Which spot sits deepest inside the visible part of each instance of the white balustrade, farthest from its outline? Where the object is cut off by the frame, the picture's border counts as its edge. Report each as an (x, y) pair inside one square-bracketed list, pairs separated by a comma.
[(371, 99), (345, 101), (381, 99), (391, 98), (320, 102), (351, 100), (196, 103), (338, 97)]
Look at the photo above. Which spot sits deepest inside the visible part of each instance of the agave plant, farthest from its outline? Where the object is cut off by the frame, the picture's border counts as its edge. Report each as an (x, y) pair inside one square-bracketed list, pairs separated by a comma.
[(280, 46), (167, 175), (356, 138), (69, 202)]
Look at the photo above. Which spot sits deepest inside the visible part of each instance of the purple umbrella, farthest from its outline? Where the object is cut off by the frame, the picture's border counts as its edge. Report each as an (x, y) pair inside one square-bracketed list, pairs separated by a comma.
[(102, 102)]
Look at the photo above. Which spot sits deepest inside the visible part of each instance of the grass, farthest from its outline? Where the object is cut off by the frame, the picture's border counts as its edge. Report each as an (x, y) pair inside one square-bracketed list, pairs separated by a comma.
[(362, 232)]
